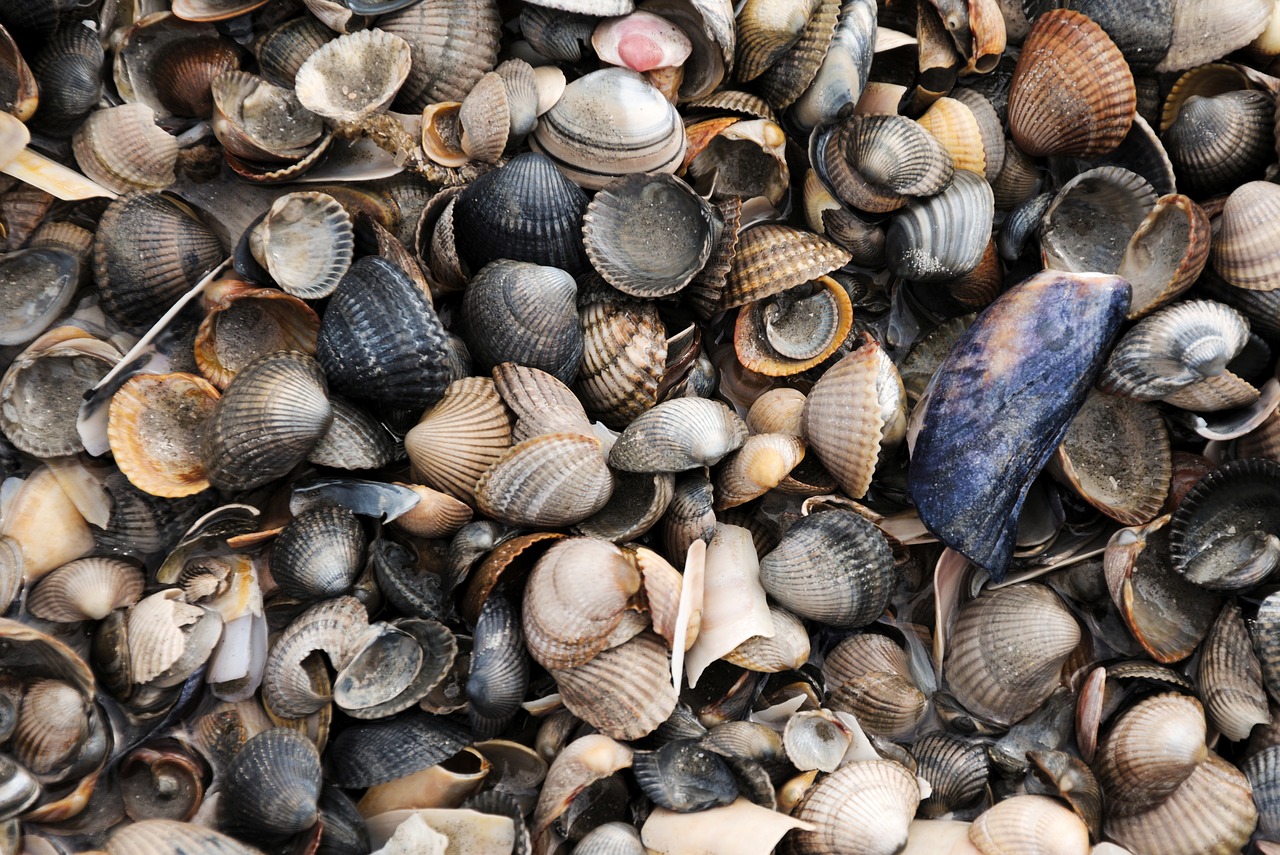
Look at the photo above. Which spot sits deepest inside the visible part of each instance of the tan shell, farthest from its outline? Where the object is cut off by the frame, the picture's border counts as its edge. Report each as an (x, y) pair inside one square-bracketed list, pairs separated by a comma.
[(306, 242), (457, 440), (766, 30), (52, 725), (354, 76), (1230, 677), (169, 638), (864, 808), (624, 692), (549, 481), (1248, 230), (956, 127), (485, 118), (243, 323), (123, 149), (155, 427), (442, 134), (753, 470), (1203, 31), (45, 524), (1029, 824), (540, 402), (1166, 254), (86, 589), (624, 354), (163, 836), (771, 259), (787, 648), (794, 331), (583, 762), (1150, 751), (778, 410), (437, 514)]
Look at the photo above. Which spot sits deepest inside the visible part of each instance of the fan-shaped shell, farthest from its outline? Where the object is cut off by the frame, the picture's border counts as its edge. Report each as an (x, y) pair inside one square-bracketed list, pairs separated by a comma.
[(86, 589), (272, 787), (453, 43), (552, 480), (943, 236), (1230, 677), (155, 427), (459, 438), (625, 691), (624, 355), (319, 553), (1248, 231), (123, 149), (306, 242), (1092, 218), (679, 434), (244, 323), (1029, 824), (864, 808), (771, 259), (354, 76), (1225, 534), (1217, 143)]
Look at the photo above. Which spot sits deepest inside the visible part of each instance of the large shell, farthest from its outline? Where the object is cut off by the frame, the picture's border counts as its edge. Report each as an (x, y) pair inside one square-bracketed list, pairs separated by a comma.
[(942, 237), (272, 787), (1203, 32), (1152, 748), (1231, 678), (771, 259), (453, 44), (1072, 92), (625, 691), (1007, 650), (155, 427), (319, 553), (991, 411), (1225, 534), (864, 808), (609, 123)]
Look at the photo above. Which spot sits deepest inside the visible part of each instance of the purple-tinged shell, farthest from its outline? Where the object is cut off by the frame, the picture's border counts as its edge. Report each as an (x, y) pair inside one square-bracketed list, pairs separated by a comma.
[(1001, 402)]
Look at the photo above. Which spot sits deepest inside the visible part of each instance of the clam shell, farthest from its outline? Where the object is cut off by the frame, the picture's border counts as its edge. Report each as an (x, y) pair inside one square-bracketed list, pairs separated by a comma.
[(956, 770), (1225, 534), (753, 470), (684, 776), (771, 259), (1029, 824), (453, 43), (835, 567), (1219, 142), (244, 323), (679, 434), (540, 402), (610, 123), (155, 427), (380, 338), (1150, 751), (1072, 92), (966, 397), (982, 645), (766, 31), (891, 154), (69, 72), (641, 41), (169, 638), (1151, 263), (86, 589), (354, 76), (319, 553), (557, 35), (262, 123), (624, 356), (1260, 769), (518, 312), (1203, 33), (282, 49), (307, 242), (816, 740), (786, 649), (943, 236), (499, 673), (793, 331), (457, 440), (620, 223), (366, 755), (1241, 247), (485, 117), (1230, 677), (864, 808), (624, 692), (842, 77), (1107, 200), (354, 440), (273, 786), (954, 125), (552, 480), (885, 704), (38, 284), (330, 626), (442, 134), (51, 728), (163, 836), (639, 500), (283, 396), (123, 149), (394, 666), (787, 78), (690, 515)]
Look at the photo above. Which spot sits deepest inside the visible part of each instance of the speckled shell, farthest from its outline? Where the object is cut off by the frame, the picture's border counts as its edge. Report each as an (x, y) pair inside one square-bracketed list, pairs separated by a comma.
[(990, 411), (944, 236)]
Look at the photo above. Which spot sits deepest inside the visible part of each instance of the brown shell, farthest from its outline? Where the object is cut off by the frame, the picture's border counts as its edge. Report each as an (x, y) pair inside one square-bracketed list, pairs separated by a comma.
[(155, 427), (86, 589), (460, 437), (1244, 246), (549, 481), (771, 259), (624, 692), (624, 355)]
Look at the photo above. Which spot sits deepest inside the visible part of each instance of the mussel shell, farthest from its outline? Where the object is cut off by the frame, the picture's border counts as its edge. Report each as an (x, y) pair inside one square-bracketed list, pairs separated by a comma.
[(1228, 524), (380, 338), (272, 787), (1020, 405)]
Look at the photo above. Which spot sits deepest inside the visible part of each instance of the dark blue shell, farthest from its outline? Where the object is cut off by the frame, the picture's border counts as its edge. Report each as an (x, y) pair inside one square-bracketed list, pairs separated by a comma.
[(1001, 402)]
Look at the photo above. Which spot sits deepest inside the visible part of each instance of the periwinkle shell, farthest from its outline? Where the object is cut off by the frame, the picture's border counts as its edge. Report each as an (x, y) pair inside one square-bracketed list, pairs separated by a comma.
[(1001, 402)]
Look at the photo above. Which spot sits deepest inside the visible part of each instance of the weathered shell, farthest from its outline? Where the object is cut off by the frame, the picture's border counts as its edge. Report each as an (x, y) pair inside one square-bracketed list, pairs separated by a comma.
[(155, 427), (1029, 824), (261, 123), (331, 626), (767, 30), (1225, 534), (625, 691), (552, 480), (760, 465), (1151, 263), (306, 242), (169, 638), (969, 409), (37, 283), (1241, 247), (1022, 633), (1203, 33), (244, 323), (69, 71), (943, 236), (1072, 92), (459, 438), (123, 149), (1090, 221), (684, 776), (86, 589), (1261, 771), (793, 331), (1219, 142), (366, 755), (864, 808), (282, 49), (1230, 677), (272, 787), (354, 76), (679, 434), (453, 43), (319, 553), (514, 311), (163, 836), (842, 76), (499, 673)]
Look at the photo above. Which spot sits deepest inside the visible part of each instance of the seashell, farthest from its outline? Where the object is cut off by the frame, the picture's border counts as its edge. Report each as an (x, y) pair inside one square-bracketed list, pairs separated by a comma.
[(1219, 142), (1211, 811), (442, 134), (540, 402), (305, 242), (421, 654), (1225, 534), (167, 64), (162, 836), (243, 323), (524, 211), (679, 434), (623, 217), (21, 789), (380, 338), (149, 250), (453, 44), (155, 427), (437, 514), (1142, 33), (1072, 92), (568, 619), (272, 787), (864, 808), (1201, 34), (282, 49), (1068, 236), (330, 626), (956, 770), (499, 673), (1150, 751), (684, 776), (943, 236), (38, 284), (610, 123), (760, 465), (584, 761), (1173, 348), (1230, 678), (638, 501), (623, 360), (954, 125), (624, 692), (772, 259), (123, 149), (816, 739), (766, 31), (612, 838), (786, 649), (1127, 476), (1224, 391), (1156, 274), (1260, 770), (485, 119), (260, 122), (854, 413), (557, 35), (741, 827), (355, 76), (552, 480), (283, 395), (690, 515), (1240, 254), (38, 509), (69, 71), (886, 704), (52, 726), (319, 553), (457, 440), (791, 332), (169, 639), (1046, 404), (745, 158), (1029, 823), (1029, 670), (514, 311), (888, 158), (842, 77), (354, 440), (86, 589), (787, 78), (641, 41)]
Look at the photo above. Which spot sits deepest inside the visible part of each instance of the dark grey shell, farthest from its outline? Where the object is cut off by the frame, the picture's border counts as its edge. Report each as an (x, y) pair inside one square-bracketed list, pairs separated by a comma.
[(1225, 534), (1142, 29), (344, 829), (272, 787), (411, 590), (319, 553), (355, 440), (380, 338), (835, 567), (69, 71), (524, 211), (499, 669), (1000, 403), (35, 286), (515, 311), (956, 768), (685, 777), (557, 35), (1263, 772), (366, 755)]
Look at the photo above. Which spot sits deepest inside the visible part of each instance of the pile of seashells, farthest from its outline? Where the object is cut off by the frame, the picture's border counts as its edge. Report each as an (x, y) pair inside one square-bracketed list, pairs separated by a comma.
[(611, 427)]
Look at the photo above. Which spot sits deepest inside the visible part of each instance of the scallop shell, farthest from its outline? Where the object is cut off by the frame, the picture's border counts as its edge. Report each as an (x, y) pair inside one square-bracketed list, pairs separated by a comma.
[(156, 426), (123, 149), (459, 438), (69, 72), (624, 356), (453, 43), (864, 808), (1241, 247), (1150, 751), (679, 434), (552, 480), (1072, 92)]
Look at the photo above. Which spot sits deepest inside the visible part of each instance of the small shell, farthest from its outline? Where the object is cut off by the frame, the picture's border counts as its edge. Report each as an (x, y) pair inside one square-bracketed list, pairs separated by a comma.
[(319, 553), (1151, 263), (625, 691), (1241, 247), (169, 638), (123, 149), (790, 75), (244, 323), (485, 118), (760, 465), (1072, 92), (1150, 751), (639, 500), (793, 331), (283, 49), (786, 649), (354, 76), (679, 434), (306, 242), (955, 126), (1029, 824), (452, 44), (442, 134), (457, 440), (86, 589), (1219, 142), (437, 514), (684, 776), (354, 440), (624, 355), (261, 123), (155, 428), (552, 480), (767, 30), (557, 35), (956, 769), (499, 673), (641, 41), (778, 410), (864, 808)]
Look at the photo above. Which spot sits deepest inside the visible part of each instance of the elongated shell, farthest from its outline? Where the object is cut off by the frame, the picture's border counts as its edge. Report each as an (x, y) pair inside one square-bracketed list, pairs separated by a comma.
[(1021, 633), (864, 808)]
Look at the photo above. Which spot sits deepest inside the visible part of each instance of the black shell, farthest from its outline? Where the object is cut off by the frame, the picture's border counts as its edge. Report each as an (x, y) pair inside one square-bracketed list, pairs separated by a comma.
[(272, 787), (381, 340), (411, 589), (499, 669), (344, 831), (525, 211), (956, 768), (683, 776), (69, 70), (319, 553), (366, 755)]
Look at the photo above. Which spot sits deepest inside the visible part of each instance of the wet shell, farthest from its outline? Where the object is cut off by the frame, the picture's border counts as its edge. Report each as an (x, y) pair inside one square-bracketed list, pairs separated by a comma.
[(955, 768), (272, 787), (1242, 246), (624, 692), (1029, 824), (499, 673), (244, 323), (610, 123), (1217, 143), (760, 465), (1092, 218), (282, 49), (552, 480), (380, 338), (354, 76), (679, 434), (283, 396), (864, 808), (453, 44), (123, 149), (944, 236), (86, 589), (622, 220), (771, 259), (1231, 678), (147, 252), (38, 284), (983, 645), (306, 243), (835, 567), (1225, 534), (766, 31), (842, 77), (155, 428), (1072, 92), (485, 119), (458, 439), (518, 312), (1150, 751), (624, 356)]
